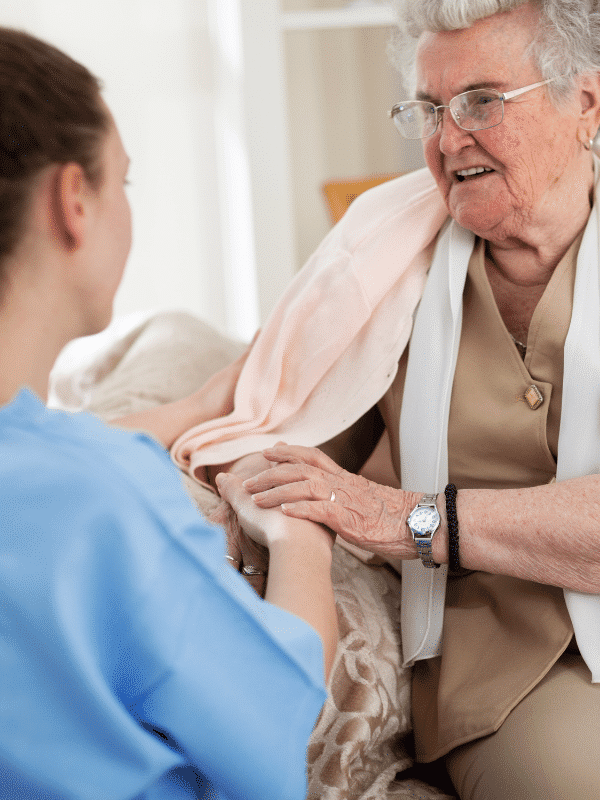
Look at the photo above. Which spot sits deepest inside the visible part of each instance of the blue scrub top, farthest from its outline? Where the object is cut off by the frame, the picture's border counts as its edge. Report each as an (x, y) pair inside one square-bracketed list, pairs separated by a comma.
[(134, 662)]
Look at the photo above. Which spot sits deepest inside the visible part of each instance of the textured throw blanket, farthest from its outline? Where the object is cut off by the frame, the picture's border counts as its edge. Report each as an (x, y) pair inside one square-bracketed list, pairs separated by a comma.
[(362, 739)]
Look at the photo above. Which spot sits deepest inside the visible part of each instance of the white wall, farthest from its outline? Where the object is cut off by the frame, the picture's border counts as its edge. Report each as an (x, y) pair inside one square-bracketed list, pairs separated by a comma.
[(341, 90), (155, 58), (225, 208)]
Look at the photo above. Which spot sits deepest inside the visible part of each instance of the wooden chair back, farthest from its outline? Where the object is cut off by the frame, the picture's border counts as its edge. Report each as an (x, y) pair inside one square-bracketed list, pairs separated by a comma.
[(340, 193)]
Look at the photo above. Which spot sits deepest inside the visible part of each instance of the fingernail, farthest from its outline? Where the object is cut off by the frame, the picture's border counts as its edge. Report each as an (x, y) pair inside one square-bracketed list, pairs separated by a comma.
[(248, 483), (219, 478)]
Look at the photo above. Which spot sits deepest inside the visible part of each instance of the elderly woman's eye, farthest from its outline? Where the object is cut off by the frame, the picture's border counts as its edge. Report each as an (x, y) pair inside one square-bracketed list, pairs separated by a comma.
[(484, 99)]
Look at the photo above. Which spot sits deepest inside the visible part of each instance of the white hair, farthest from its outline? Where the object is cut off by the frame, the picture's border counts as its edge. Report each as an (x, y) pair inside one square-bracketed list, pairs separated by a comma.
[(567, 41)]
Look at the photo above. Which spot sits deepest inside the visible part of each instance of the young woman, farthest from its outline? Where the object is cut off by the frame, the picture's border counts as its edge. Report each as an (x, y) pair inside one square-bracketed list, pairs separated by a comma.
[(135, 663)]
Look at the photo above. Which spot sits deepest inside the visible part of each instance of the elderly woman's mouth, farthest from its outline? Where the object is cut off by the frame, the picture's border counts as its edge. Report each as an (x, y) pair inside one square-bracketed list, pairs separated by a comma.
[(472, 172)]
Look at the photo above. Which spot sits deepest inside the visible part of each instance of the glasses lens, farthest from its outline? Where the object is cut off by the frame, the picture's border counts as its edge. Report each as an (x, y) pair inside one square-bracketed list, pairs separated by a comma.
[(415, 119), (478, 109)]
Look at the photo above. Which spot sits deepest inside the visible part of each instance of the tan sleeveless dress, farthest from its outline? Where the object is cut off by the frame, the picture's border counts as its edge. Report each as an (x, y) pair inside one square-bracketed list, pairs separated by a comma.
[(501, 634)]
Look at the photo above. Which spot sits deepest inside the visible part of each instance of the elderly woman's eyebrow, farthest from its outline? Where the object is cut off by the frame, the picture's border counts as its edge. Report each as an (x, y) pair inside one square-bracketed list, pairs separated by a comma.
[(493, 84)]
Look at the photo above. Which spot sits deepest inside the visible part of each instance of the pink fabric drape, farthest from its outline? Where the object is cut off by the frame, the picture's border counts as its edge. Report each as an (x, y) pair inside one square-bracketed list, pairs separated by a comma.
[(330, 348)]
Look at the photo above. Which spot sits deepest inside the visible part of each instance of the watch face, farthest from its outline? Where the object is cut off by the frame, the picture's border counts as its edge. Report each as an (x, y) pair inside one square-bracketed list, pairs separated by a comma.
[(424, 520)]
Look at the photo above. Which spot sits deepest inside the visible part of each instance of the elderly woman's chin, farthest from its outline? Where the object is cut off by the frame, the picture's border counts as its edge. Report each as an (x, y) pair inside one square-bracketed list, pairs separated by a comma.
[(488, 214)]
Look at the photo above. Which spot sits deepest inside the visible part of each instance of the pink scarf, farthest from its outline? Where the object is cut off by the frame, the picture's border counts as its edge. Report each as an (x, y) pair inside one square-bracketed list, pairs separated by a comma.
[(330, 348)]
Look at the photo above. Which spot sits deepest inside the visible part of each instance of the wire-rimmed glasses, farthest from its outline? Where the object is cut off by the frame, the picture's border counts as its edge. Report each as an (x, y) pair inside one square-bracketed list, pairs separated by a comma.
[(474, 110)]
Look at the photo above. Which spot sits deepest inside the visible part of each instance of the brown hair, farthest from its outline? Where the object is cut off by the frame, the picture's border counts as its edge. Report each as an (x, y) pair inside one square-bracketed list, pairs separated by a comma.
[(50, 113)]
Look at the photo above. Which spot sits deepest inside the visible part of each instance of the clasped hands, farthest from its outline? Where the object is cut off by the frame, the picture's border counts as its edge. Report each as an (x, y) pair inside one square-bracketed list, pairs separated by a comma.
[(252, 530), (364, 513)]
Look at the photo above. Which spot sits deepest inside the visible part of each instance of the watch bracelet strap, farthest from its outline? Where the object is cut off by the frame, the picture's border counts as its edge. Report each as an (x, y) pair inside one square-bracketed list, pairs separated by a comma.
[(423, 546), (425, 554)]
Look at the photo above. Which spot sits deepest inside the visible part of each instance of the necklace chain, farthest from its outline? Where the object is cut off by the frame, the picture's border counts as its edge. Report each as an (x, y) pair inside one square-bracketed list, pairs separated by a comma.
[(522, 348)]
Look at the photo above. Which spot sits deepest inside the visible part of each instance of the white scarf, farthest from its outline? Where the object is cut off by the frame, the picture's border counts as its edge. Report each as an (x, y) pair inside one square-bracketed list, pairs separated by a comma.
[(424, 422)]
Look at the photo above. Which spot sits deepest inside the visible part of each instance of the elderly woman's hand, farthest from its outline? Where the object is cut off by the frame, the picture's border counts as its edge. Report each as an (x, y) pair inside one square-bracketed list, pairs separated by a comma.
[(245, 555), (309, 485)]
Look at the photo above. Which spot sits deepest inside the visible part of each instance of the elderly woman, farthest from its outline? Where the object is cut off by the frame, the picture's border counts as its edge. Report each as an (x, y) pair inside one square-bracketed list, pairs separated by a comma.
[(493, 413), (135, 663)]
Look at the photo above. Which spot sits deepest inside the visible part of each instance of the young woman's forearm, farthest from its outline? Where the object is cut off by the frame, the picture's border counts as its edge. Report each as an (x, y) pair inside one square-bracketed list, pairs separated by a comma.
[(299, 579), (168, 422), (300, 582)]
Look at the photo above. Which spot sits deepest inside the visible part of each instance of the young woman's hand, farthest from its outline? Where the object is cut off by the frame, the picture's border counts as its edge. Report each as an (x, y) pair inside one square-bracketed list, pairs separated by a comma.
[(263, 525), (269, 526), (170, 421)]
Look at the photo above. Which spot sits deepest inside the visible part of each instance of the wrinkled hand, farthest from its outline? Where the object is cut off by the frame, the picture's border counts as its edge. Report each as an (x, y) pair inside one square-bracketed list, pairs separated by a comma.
[(362, 512), (240, 547)]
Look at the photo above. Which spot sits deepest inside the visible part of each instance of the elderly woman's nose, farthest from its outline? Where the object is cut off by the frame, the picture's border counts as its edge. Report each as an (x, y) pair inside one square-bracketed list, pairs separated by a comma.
[(452, 138)]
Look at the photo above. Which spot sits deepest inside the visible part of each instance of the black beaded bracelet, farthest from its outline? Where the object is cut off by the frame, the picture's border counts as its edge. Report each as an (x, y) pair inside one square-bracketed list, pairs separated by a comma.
[(453, 557)]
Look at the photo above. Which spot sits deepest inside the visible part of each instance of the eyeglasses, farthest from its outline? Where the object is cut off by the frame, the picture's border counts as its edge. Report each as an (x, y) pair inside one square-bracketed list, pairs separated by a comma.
[(472, 111)]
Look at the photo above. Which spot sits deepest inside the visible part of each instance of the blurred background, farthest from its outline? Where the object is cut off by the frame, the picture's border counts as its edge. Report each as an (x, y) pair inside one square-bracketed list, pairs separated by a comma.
[(234, 113)]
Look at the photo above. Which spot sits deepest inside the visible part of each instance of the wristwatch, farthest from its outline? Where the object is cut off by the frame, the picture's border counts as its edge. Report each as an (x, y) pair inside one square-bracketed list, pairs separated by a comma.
[(423, 521)]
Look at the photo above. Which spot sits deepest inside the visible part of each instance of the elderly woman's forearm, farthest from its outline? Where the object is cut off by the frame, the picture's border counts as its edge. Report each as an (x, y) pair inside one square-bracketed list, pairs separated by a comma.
[(548, 534)]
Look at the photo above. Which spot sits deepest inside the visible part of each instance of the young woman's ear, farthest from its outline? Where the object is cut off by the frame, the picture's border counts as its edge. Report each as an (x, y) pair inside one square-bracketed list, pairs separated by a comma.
[(71, 205)]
